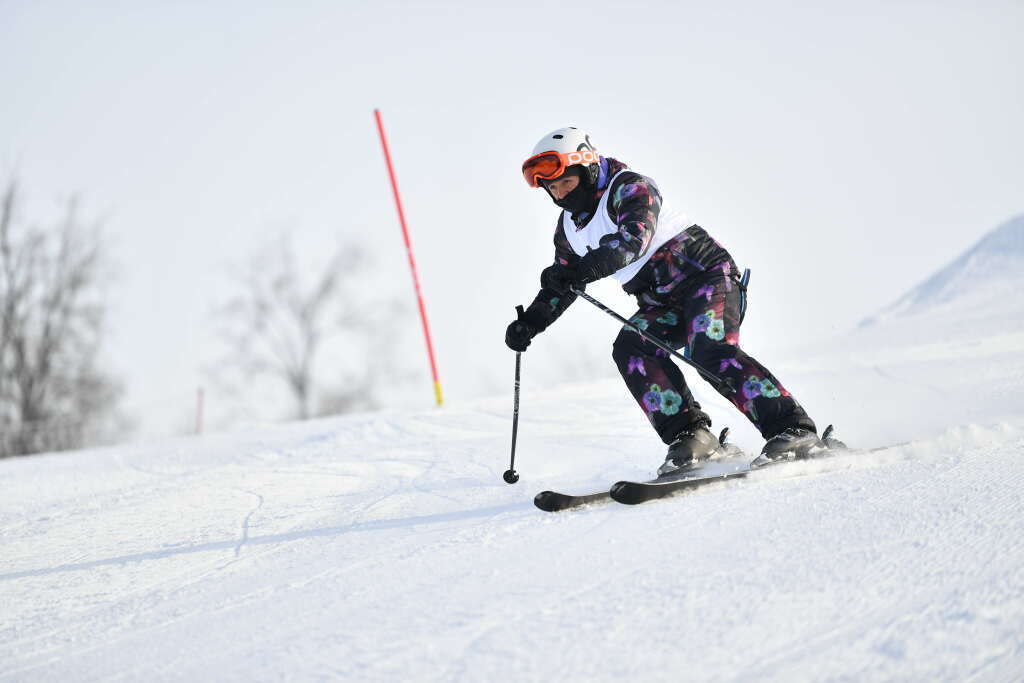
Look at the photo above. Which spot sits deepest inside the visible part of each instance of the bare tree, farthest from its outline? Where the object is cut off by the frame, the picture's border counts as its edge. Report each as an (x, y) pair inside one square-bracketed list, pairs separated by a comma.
[(53, 396), (315, 333)]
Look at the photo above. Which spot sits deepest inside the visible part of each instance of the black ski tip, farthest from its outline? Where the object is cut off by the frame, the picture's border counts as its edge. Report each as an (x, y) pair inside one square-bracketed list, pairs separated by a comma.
[(627, 493), (553, 501), (548, 501)]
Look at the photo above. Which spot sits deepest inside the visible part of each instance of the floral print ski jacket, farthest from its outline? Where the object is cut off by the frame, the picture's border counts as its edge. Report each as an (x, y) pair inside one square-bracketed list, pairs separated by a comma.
[(681, 264)]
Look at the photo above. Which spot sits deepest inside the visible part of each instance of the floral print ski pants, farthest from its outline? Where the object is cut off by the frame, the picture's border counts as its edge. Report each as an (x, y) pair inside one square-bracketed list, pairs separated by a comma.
[(707, 323)]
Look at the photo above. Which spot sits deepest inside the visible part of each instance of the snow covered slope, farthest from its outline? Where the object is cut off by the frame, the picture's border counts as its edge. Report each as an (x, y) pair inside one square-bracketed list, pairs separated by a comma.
[(386, 547), (977, 284)]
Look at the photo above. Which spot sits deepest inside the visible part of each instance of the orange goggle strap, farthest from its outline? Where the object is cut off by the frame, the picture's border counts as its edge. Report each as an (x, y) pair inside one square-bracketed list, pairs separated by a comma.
[(550, 165)]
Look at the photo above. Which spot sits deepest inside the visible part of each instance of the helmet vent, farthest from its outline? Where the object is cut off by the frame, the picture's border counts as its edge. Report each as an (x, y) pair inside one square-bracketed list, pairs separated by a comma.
[(558, 137)]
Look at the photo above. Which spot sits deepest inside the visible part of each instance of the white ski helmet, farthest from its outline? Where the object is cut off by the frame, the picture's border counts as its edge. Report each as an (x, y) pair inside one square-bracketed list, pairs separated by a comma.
[(557, 151)]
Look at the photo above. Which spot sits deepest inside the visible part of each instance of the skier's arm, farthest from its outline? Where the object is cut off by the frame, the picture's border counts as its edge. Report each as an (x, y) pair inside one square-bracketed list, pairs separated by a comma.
[(634, 205), (549, 304)]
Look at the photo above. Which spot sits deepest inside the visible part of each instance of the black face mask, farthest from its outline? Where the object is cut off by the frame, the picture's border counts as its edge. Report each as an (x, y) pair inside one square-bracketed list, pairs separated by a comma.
[(580, 200)]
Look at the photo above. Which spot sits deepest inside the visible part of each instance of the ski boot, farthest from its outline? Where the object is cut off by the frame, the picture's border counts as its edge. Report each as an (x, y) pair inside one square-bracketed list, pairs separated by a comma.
[(793, 442), (691, 446)]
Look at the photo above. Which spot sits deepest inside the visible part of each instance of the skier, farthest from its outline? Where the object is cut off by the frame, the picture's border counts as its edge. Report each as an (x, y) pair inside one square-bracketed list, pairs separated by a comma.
[(614, 223)]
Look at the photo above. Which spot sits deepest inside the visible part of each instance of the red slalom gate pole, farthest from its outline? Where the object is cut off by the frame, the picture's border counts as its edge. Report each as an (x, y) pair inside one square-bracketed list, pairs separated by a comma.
[(412, 261)]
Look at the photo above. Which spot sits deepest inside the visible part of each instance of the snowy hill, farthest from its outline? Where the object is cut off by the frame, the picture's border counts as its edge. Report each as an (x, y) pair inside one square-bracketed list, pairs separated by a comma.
[(986, 276), (386, 547)]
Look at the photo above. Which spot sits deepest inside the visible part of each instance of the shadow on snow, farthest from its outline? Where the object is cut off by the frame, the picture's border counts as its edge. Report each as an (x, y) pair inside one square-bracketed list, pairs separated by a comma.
[(233, 544)]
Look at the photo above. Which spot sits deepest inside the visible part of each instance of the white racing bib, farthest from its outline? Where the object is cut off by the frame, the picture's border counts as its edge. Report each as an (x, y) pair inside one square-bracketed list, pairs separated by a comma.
[(588, 237)]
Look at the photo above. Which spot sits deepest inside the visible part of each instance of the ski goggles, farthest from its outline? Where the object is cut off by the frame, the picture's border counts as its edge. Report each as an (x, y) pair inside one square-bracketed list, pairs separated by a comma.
[(550, 165)]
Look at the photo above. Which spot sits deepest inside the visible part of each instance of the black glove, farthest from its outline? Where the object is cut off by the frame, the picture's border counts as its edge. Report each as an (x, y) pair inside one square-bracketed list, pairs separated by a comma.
[(563, 278), (521, 331), (590, 267), (559, 278)]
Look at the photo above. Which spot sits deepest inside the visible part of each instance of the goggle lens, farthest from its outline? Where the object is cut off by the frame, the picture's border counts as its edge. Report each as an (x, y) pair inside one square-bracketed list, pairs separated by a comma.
[(542, 167)]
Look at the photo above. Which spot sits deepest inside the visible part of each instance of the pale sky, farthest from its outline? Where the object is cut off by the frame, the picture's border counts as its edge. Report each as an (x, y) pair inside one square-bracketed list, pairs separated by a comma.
[(842, 151)]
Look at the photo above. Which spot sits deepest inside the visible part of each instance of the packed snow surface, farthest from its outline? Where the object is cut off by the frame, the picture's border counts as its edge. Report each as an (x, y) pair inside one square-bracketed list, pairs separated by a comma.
[(386, 547)]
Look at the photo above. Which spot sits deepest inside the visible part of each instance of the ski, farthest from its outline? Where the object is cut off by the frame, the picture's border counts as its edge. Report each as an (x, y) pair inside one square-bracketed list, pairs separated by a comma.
[(632, 493), (635, 492), (736, 465), (731, 460), (553, 501)]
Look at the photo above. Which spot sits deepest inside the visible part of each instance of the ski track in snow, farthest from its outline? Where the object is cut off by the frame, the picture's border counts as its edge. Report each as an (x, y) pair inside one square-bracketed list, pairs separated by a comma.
[(386, 547)]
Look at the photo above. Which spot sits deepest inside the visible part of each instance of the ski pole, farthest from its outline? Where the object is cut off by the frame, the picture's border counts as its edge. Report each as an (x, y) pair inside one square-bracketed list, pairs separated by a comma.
[(723, 386), (511, 476)]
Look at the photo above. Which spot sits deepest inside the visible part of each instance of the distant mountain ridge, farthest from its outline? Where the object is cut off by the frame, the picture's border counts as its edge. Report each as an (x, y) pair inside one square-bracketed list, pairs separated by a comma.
[(992, 267)]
